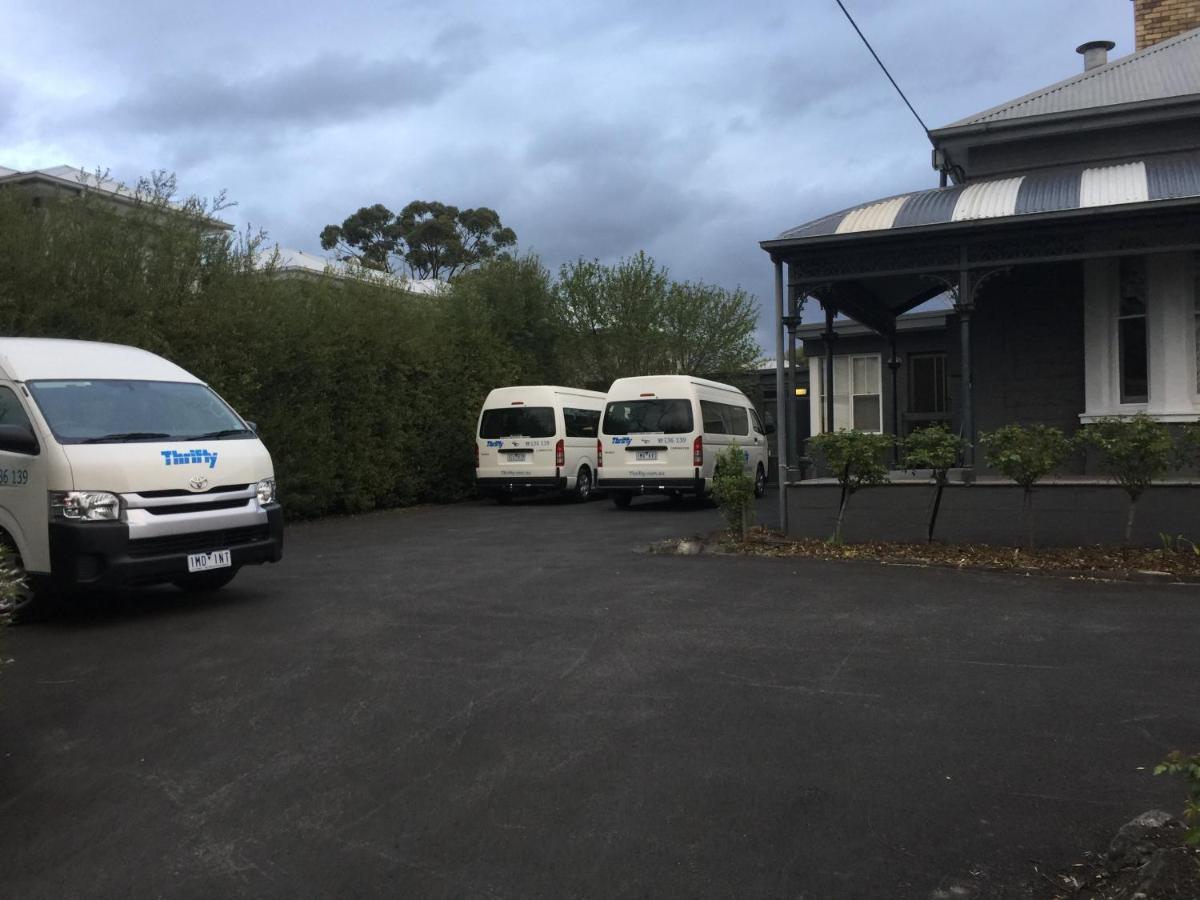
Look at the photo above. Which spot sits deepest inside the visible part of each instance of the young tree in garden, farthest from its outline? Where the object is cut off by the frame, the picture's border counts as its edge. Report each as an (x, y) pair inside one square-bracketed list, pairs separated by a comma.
[(733, 490), (935, 448), (1026, 454), (856, 458), (1134, 451), (430, 239)]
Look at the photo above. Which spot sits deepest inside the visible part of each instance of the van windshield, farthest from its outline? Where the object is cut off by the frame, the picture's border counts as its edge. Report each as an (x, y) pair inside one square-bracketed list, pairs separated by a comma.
[(644, 416), (107, 411), (517, 421)]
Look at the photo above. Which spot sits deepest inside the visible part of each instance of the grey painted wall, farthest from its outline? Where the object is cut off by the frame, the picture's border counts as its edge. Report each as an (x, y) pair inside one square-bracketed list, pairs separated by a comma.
[(1028, 349), (1066, 514)]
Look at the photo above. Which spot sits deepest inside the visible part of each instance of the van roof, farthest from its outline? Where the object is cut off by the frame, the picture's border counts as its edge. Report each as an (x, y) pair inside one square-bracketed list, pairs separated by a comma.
[(31, 359), (548, 388), (667, 382)]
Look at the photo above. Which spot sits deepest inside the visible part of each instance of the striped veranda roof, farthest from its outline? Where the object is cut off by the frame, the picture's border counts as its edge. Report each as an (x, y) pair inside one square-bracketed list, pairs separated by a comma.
[(1057, 190)]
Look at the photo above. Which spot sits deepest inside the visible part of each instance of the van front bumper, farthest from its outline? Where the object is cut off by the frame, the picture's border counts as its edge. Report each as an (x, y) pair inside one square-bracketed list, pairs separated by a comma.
[(652, 485), (101, 554), (525, 485)]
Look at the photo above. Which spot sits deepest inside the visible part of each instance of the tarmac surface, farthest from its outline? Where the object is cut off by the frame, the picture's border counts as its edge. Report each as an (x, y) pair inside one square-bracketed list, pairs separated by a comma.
[(474, 700)]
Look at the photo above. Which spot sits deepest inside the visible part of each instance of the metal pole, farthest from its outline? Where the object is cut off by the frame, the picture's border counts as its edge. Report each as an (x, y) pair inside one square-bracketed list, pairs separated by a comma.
[(830, 338), (780, 399), (894, 365), (793, 442), (966, 306)]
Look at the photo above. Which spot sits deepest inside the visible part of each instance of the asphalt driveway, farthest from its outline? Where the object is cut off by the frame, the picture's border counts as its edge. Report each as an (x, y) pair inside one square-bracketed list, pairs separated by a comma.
[(514, 701)]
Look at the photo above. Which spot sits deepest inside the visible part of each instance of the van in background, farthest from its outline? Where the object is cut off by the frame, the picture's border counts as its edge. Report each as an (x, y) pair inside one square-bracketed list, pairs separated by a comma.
[(662, 434), (119, 468), (537, 439)]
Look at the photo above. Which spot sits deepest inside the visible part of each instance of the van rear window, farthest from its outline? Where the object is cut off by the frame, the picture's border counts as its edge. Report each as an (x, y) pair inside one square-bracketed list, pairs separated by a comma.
[(517, 421), (648, 416)]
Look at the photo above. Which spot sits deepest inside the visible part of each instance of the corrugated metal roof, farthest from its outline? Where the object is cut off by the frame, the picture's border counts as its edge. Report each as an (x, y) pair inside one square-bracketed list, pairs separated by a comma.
[(1167, 69), (1168, 177)]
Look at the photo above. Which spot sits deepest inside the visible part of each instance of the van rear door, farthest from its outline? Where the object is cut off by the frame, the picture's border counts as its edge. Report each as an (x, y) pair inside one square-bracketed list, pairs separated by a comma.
[(517, 441), (648, 437)]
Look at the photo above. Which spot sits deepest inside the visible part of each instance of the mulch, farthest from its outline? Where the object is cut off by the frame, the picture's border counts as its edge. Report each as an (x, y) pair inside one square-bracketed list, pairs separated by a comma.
[(1176, 563)]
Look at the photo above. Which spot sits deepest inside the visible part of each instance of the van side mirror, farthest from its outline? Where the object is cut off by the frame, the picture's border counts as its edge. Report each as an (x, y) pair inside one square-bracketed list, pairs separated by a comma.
[(253, 426), (769, 427), (18, 439)]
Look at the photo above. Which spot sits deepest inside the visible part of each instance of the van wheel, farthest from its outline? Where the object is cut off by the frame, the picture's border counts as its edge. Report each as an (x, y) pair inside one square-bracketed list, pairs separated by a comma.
[(503, 498), (760, 482), (31, 597), (622, 499), (206, 581), (583, 485)]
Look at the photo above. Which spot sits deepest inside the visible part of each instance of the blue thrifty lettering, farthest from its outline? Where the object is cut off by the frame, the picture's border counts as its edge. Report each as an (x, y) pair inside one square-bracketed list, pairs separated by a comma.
[(190, 458)]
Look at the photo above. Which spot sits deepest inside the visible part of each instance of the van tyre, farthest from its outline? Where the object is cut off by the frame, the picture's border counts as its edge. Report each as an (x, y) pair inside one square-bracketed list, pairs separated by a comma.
[(622, 499), (504, 498), (583, 485), (206, 581), (32, 599), (760, 482)]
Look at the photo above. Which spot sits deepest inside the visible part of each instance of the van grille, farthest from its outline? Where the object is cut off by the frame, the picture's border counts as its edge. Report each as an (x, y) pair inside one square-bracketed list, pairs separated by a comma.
[(198, 541), (176, 508), (222, 489)]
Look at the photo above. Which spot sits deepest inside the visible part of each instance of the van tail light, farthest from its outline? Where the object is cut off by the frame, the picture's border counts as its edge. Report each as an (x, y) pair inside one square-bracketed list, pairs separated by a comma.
[(560, 453), (599, 455), (477, 455), (698, 451)]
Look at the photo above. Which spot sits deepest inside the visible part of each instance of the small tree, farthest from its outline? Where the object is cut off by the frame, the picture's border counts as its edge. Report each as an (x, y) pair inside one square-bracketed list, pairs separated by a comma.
[(733, 489), (856, 459), (1187, 768), (1026, 454), (1134, 451), (935, 448)]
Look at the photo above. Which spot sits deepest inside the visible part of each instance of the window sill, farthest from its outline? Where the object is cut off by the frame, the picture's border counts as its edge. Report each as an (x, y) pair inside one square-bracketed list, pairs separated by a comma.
[(1126, 412)]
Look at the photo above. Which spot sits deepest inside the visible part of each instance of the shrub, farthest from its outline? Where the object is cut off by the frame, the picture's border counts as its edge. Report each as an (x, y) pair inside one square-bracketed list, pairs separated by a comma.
[(1026, 454), (1135, 451), (935, 448), (856, 459), (733, 489), (1187, 768)]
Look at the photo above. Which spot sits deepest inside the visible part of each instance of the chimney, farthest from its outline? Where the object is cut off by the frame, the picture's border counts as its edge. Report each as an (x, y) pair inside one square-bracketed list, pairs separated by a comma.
[(1095, 53), (1158, 20)]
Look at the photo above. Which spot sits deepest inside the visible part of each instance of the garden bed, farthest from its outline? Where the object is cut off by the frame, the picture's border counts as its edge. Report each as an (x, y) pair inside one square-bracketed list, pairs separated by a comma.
[(1179, 563)]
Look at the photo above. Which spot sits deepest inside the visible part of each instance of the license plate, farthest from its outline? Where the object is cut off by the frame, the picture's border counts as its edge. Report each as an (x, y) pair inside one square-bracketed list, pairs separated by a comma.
[(202, 562), (641, 455), (515, 457)]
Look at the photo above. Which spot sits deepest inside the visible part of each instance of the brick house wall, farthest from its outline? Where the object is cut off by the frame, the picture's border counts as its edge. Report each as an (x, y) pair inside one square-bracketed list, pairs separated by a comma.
[(1158, 20)]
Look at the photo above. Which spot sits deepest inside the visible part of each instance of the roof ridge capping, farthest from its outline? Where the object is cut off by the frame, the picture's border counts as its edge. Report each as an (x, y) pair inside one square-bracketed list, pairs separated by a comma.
[(1187, 82)]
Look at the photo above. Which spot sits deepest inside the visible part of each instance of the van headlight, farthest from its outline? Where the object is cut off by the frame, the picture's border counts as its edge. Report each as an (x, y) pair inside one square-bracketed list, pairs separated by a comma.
[(265, 490), (85, 506)]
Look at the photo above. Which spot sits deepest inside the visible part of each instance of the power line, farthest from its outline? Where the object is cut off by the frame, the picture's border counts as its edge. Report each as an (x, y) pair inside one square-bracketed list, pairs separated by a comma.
[(850, 18)]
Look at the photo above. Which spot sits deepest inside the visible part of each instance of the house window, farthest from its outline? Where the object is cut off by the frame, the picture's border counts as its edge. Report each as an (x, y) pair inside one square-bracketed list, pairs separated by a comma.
[(1132, 353), (857, 398), (927, 383)]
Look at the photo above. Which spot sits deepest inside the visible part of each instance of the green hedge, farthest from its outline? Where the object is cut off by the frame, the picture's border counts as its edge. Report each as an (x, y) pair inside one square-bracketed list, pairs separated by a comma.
[(365, 396)]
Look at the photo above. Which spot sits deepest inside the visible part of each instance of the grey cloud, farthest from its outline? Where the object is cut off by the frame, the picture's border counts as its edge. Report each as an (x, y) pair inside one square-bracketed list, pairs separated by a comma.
[(328, 88)]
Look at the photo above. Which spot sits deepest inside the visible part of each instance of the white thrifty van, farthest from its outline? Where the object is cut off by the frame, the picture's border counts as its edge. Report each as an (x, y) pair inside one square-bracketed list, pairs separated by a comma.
[(117, 467), (662, 433), (537, 438)]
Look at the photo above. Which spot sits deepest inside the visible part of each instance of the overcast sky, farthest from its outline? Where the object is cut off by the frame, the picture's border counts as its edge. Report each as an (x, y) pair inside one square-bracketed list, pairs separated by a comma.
[(595, 129)]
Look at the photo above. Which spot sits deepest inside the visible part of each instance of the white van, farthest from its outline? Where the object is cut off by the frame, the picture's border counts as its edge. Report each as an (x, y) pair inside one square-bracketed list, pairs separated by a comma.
[(662, 433), (537, 438), (117, 468)]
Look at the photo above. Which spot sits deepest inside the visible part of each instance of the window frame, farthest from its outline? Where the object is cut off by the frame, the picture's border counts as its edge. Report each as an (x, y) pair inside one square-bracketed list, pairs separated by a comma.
[(817, 391)]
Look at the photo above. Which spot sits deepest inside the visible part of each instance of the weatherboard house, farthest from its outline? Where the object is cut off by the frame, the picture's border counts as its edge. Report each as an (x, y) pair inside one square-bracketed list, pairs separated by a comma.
[(1067, 233)]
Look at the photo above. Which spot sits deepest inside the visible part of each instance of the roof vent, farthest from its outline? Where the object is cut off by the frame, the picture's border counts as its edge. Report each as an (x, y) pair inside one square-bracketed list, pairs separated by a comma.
[(1095, 53)]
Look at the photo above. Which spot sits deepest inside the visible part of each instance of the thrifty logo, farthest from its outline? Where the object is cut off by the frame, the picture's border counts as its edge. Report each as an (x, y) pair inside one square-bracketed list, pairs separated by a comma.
[(190, 458), (495, 443), (618, 441)]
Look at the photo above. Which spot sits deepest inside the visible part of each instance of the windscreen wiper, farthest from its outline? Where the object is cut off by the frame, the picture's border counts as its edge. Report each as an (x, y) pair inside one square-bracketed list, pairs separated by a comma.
[(126, 436), (213, 435)]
